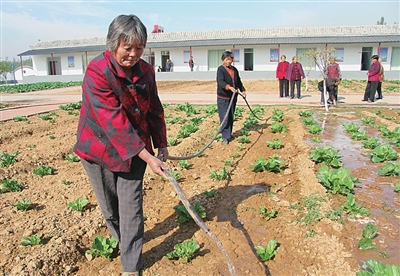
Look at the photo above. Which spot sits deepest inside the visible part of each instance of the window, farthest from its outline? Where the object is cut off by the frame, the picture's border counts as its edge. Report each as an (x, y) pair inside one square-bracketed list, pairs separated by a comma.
[(186, 56), (395, 58), (149, 57), (236, 55), (214, 59), (273, 55), (383, 54), (339, 54)]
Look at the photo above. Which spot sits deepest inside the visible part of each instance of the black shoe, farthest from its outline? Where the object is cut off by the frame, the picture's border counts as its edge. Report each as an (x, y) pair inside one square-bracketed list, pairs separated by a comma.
[(232, 138), (225, 142), (364, 100), (379, 98)]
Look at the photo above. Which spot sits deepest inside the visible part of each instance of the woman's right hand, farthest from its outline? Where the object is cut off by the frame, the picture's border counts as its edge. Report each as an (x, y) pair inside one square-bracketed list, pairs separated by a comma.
[(155, 164)]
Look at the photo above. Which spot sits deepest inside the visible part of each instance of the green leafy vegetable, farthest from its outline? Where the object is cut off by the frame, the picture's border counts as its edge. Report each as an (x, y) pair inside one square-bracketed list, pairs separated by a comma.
[(269, 252), (184, 250), (103, 247)]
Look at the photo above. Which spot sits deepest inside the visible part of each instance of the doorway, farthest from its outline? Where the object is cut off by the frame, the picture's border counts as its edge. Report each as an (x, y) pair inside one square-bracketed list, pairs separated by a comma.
[(248, 59), (54, 66), (164, 57), (366, 55)]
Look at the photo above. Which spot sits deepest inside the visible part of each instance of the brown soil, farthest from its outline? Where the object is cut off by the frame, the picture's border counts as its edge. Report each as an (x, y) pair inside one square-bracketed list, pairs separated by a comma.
[(323, 247)]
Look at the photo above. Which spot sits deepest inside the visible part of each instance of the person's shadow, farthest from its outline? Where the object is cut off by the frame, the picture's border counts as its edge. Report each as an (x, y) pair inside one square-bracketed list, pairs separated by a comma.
[(223, 206)]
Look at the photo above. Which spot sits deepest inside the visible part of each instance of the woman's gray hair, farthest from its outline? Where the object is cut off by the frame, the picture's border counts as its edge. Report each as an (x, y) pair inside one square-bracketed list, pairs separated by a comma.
[(294, 57), (127, 28)]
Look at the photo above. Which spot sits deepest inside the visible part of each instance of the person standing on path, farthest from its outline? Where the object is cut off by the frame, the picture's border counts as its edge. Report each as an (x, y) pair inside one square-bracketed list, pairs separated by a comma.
[(191, 63), (373, 80), (295, 74), (281, 76), (120, 118), (381, 79), (228, 82), (334, 76)]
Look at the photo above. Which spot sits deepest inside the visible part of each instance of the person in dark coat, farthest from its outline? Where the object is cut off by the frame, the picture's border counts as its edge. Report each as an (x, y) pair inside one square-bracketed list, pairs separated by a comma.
[(334, 77), (381, 79), (295, 74), (281, 76), (321, 89), (228, 82), (373, 80), (121, 119)]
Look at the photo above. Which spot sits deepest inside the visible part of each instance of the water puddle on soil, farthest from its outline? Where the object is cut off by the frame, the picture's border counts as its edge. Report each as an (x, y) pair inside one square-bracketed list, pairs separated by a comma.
[(375, 191)]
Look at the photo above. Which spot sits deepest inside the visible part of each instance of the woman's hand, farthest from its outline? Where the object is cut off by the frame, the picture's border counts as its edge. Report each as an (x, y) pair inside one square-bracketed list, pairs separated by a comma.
[(244, 94), (155, 164), (163, 154)]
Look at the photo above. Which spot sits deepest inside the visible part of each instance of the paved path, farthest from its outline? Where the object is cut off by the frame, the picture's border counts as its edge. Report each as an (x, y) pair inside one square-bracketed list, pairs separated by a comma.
[(44, 101)]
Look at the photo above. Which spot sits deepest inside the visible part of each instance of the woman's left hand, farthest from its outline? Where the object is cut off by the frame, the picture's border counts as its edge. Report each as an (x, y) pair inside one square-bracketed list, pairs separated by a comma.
[(163, 154), (244, 94)]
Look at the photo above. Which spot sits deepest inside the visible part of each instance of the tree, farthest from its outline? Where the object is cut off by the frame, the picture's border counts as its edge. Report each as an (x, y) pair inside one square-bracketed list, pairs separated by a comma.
[(381, 21), (321, 58), (5, 67)]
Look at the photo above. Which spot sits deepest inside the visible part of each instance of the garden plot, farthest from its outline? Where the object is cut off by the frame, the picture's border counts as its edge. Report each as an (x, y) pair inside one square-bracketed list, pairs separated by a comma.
[(280, 199)]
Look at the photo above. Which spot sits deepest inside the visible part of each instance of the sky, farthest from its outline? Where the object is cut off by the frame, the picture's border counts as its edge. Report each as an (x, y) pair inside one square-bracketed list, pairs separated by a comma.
[(23, 23)]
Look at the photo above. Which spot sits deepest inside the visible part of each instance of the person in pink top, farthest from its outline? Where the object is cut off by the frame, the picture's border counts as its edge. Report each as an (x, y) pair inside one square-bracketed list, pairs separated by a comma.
[(295, 74), (373, 80), (281, 76)]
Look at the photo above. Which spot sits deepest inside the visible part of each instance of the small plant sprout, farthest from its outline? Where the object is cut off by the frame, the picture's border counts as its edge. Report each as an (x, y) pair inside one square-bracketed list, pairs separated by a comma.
[(267, 253), (326, 155), (278, 127), (219, 175), (72, 158), (184, 250), (10, 186), (66, 182), (371, 143), (22, 205), (306, 113), (272, 165), (20, 119), (277, 115), (228, 162), (368, 120), (276, 144), (351, 208), (316, 139), (184, 215), (243, 140), (209, 194), (32, 240), (102, 247), (78, 204), (314, 129), (43, 170), (267, 215), (184, 164), (8, 159), (369, 232)]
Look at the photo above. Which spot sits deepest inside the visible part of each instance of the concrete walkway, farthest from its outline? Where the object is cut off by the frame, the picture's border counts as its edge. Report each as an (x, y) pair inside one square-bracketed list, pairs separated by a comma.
[(26, 104)]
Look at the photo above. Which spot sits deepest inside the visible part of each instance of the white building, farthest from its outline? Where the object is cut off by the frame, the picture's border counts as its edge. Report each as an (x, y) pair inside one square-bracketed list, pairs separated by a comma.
[(257, 52)]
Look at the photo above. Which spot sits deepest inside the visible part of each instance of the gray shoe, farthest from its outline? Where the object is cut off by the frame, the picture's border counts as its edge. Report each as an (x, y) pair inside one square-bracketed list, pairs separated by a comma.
[(225, 142)]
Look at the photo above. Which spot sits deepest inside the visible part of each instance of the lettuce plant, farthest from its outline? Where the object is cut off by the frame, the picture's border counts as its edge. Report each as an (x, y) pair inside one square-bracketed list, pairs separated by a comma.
[(219, 175), (78, 204), (184, 215), (350, 127), (371, 143), (390, 169), (383, 153), (369, 232), (267, 253), (337, 181), (351, 208), (32, 240), (314, 129), (102, 247), (272, 165), (184, 250), (10, 186), (278, 127), (43, 170), (8, 159), (276, 144), (376, 268), (277, 115), (306, 113), (326, 155), (397, 187), (267, 215), (22, 205)]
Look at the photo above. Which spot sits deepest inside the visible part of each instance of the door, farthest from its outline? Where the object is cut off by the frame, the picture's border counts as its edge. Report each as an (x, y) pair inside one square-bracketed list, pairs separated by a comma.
[(164, 57), (366, 55)]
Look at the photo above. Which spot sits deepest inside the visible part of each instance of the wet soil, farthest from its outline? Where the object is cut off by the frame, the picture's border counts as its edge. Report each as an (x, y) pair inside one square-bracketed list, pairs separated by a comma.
[(310, 241)]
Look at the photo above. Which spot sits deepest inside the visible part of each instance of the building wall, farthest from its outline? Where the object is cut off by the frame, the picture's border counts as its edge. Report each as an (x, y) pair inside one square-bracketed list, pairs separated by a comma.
[(262, 66)]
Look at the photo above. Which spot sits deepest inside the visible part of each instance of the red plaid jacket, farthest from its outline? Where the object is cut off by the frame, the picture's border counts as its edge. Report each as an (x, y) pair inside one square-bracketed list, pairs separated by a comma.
[(373, 72), (119, 117)]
